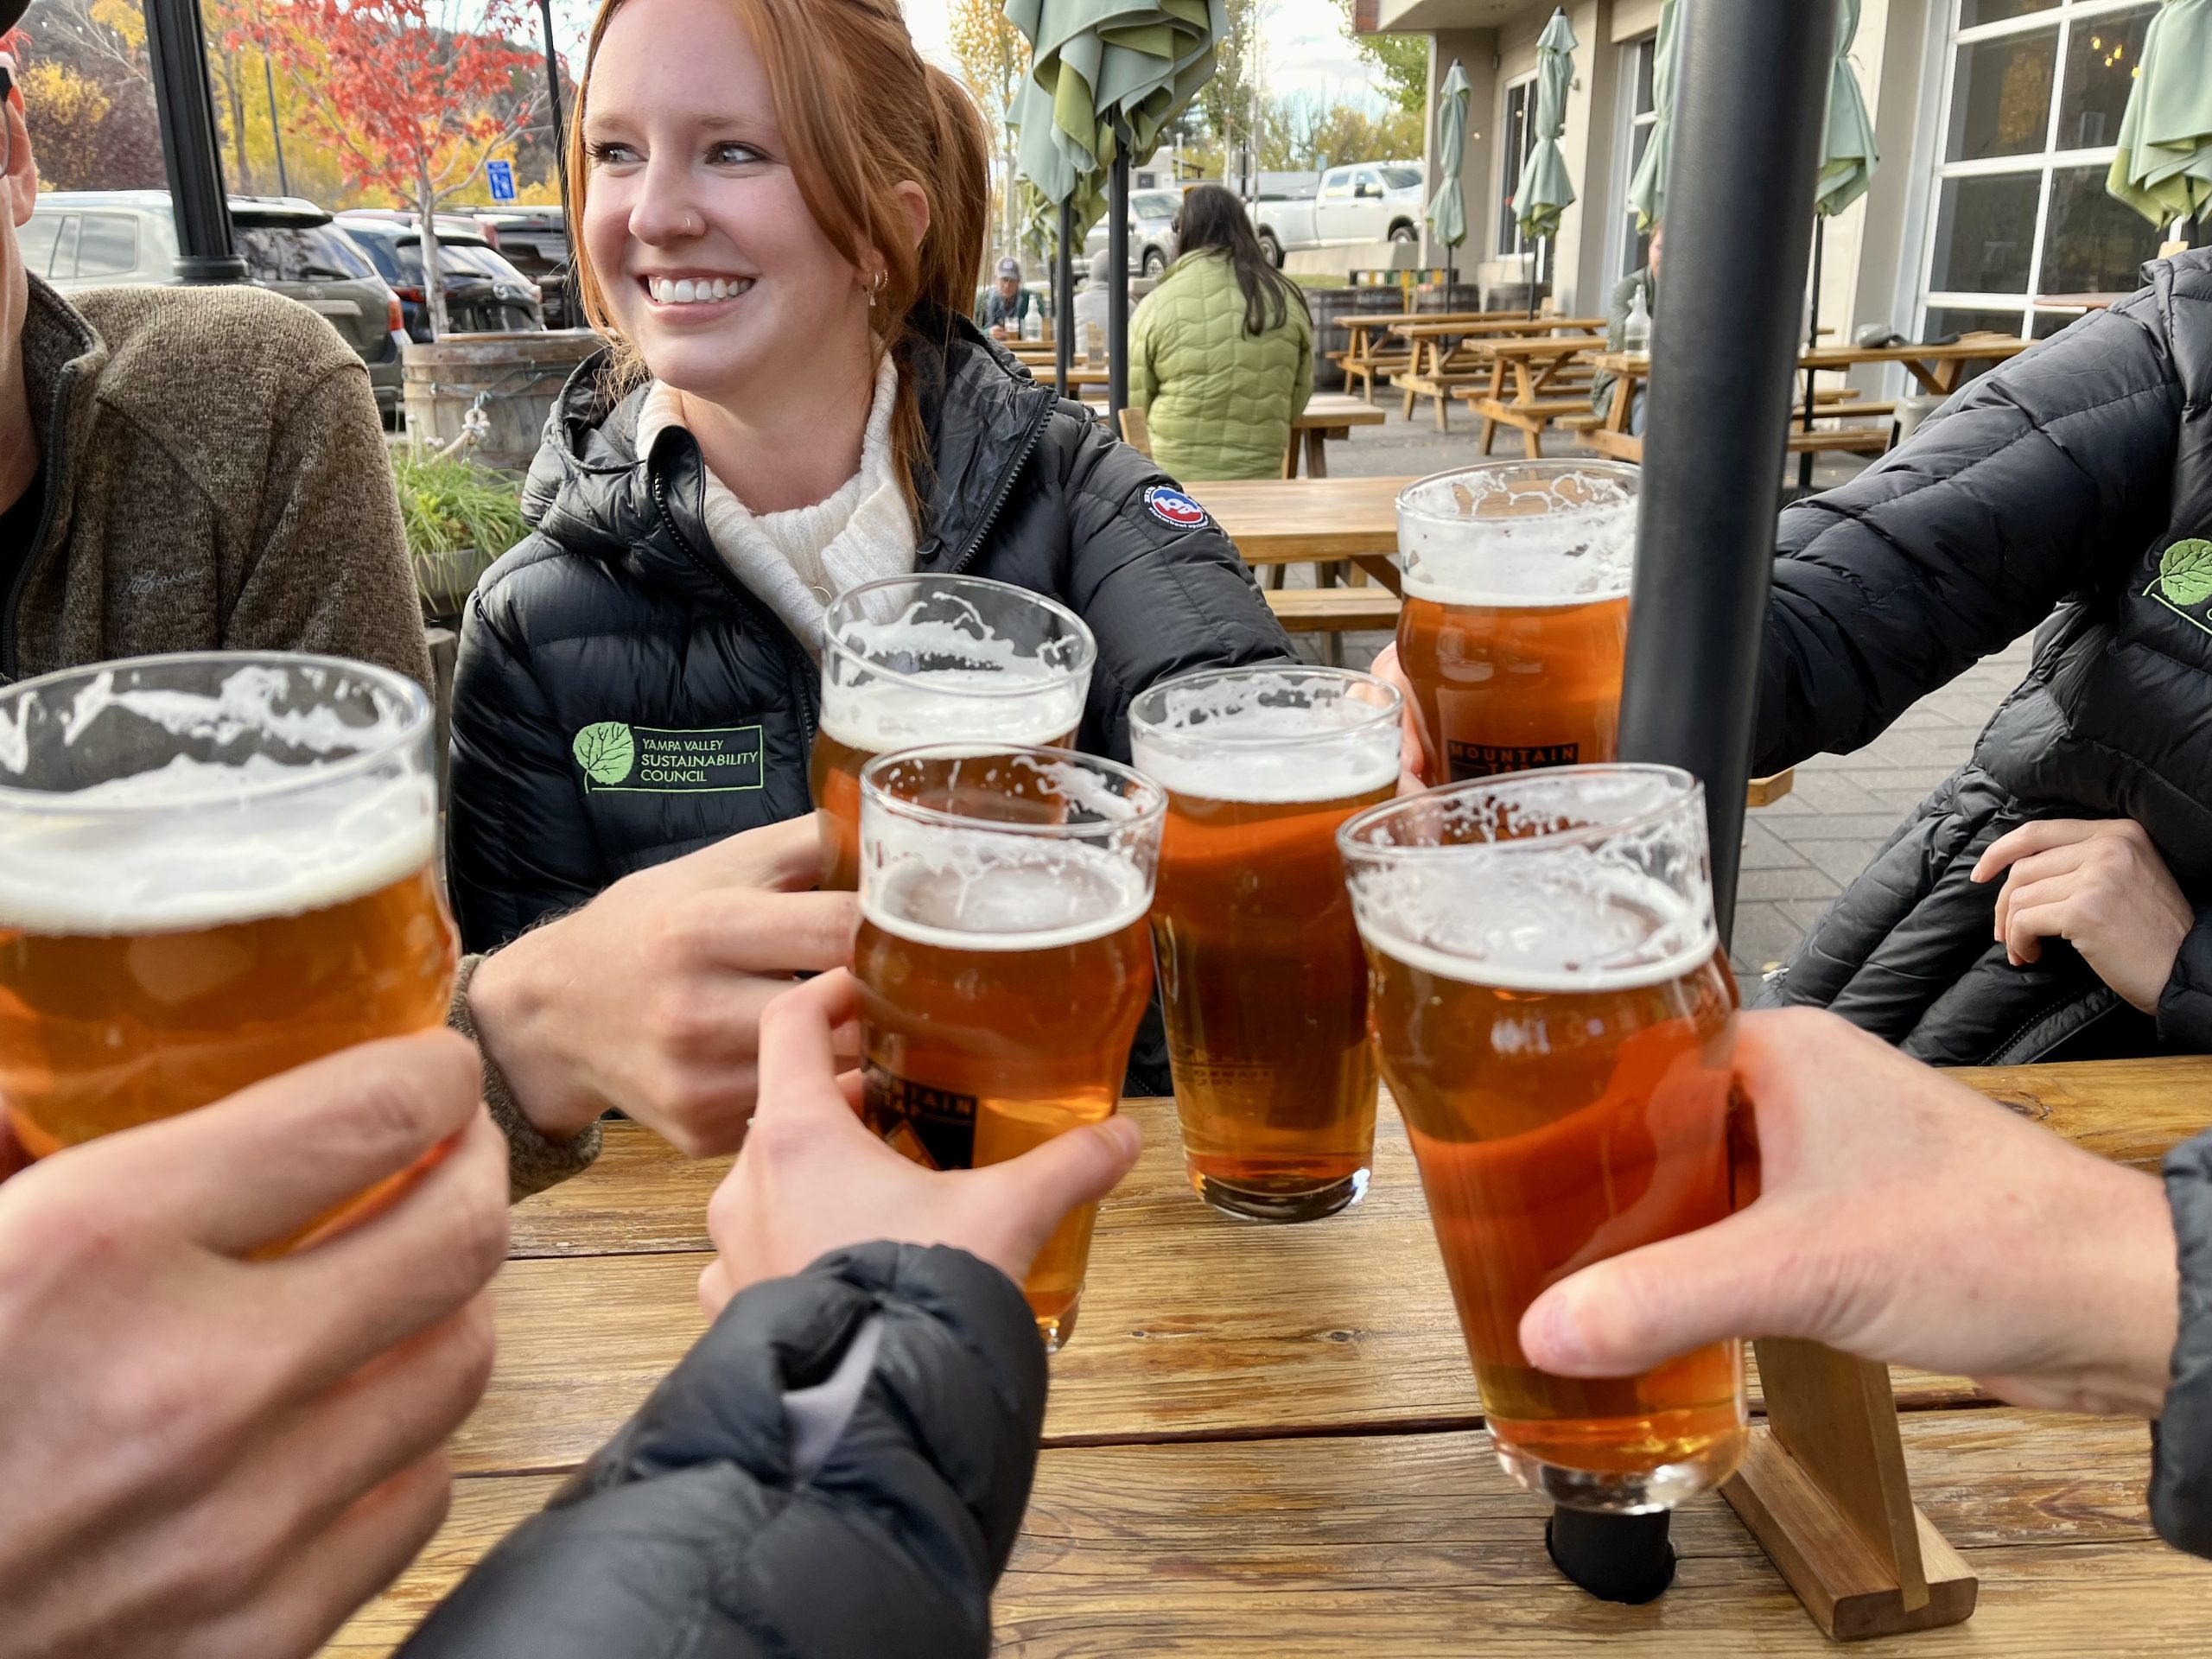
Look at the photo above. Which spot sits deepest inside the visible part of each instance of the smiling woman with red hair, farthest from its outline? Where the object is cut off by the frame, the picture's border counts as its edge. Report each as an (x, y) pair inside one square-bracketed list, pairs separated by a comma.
[(778, 218)]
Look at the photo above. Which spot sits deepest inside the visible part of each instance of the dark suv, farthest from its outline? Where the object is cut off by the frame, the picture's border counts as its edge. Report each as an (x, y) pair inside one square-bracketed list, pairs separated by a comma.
[(107, 238), (535, 241), (485, 295)]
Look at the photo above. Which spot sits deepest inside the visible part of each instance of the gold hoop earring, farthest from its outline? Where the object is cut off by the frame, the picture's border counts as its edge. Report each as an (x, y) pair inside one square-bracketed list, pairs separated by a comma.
[(875, 289)]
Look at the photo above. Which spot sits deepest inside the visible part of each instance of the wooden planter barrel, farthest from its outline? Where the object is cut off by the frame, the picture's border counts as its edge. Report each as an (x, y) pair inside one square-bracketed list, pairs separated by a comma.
[(517, 377)]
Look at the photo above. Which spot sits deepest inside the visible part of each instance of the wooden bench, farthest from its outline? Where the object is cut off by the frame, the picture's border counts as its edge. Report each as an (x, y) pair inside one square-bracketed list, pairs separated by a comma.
[(1529, 419), (1332, 610), (1843, 441)]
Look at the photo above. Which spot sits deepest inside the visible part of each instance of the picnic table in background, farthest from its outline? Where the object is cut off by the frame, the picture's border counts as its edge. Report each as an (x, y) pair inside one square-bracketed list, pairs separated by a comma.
[(1938, 369), (1264, 1439), (1610, 436), (1550, 383), (1327, 414), (1366, 355), (1448, 355)]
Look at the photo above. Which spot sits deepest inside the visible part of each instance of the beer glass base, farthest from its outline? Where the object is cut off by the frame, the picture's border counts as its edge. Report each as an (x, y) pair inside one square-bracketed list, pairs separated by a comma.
[(1280, 1201), (1623, 1491), (1056, 1328)]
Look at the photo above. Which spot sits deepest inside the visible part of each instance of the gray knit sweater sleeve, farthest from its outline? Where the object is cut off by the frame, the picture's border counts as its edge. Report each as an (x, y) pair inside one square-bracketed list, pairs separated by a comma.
[(534, 1162)]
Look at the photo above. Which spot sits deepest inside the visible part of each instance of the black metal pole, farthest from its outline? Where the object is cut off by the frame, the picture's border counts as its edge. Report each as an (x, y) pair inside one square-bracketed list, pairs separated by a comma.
[(1749, 108), (553, 97), (276, 131), (1117, 315), (1813, 344), (177, 47), (1063, 296)]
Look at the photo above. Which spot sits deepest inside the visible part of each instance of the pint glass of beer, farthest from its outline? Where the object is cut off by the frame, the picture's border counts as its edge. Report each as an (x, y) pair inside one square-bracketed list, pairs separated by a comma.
[(1515, 626), (1003, 961), (936, 659), (1260, 973), (213, 868), (1553, 1015)]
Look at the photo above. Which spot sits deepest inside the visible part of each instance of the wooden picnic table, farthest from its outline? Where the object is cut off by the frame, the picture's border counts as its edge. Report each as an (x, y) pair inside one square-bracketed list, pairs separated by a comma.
[(1539, 397), (1327, 414), (1267, 1439), (1938, 369), (1447, 356), (1275, 521), (1612, 437), (1365, 355)]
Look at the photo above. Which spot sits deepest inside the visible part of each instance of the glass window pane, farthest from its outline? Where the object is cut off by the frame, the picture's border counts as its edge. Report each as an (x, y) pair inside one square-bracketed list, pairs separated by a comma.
[(1637, 254), (35, 238), (1985, 234), (2048, 323), (1646, 50), (1639, 140), (65, 250), (2094, 244), (1942, 321), (108, 245), (2000, 95), (1973, 13), (2101, 54)]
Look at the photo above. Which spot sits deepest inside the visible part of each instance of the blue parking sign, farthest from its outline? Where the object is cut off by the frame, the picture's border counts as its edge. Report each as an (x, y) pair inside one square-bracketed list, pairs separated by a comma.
[(502, 176)]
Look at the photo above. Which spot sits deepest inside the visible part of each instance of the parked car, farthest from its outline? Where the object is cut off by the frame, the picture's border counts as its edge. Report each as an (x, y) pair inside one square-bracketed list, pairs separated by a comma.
[(106, 238), (1152, 231), (535, 241), (1368, 201), (485, 295)]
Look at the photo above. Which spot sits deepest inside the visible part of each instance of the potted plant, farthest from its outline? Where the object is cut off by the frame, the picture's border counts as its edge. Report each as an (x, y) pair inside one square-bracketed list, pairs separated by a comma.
[(459, 518)]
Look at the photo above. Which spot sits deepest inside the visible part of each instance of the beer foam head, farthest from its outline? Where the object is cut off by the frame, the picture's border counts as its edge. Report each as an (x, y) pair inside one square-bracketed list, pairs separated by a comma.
[(1582, 879), (970, 890), (196, 844), (1265, 735), (928, 659), (1520, 534)]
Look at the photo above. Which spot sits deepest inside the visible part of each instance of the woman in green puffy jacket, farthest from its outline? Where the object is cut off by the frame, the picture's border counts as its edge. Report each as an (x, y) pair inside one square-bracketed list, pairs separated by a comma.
[(1221, 353)]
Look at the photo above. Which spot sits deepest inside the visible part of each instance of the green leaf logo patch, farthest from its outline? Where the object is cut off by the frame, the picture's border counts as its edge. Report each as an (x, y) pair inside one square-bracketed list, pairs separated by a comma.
[(606, 751), (2185, 572)]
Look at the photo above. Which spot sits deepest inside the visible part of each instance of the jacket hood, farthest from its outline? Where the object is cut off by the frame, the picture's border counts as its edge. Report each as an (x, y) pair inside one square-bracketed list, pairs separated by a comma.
[(592, 492)]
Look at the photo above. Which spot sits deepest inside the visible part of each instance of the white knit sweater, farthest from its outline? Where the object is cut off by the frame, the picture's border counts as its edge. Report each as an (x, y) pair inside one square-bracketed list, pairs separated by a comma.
[(798, 560)]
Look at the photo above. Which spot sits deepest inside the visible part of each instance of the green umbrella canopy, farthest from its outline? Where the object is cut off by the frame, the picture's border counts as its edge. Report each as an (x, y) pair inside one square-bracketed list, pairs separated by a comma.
[(1100, 72), (1545, 191), (2163, 169), (1850, 155), (1647, 191), (1447, 215)]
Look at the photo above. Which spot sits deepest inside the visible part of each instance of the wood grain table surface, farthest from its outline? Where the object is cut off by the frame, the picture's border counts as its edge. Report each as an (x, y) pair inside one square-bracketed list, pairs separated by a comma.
[(1267, 1441)]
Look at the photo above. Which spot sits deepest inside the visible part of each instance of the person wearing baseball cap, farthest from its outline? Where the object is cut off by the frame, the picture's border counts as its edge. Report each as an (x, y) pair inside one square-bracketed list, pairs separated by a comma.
[(183, 469), (1007, 302)]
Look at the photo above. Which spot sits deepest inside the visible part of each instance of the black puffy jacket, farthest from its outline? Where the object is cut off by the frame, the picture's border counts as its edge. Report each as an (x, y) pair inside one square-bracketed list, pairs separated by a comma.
[(617, 613), (2077, 476), (838, 1468)]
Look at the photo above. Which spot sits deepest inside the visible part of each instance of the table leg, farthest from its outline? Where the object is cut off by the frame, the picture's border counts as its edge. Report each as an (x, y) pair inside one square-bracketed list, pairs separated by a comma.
[(1383, 570), (1290, 455), (1317, 453)]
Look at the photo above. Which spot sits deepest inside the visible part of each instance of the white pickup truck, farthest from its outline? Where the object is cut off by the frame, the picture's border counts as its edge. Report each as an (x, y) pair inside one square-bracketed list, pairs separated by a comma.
[(1367, 201)]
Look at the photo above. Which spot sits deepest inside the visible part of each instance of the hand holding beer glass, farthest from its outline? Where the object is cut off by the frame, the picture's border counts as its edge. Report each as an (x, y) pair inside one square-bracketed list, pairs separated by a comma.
[(1556, 1021), (1515, 626), (213, 868), (1261, 978), (1003, 961), (936, 659)]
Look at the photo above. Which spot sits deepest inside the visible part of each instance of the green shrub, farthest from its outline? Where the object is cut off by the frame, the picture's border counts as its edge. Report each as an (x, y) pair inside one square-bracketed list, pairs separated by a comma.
[(459, 518)]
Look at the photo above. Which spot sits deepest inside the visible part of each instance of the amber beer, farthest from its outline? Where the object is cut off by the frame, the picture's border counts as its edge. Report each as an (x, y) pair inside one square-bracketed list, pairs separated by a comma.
[(1555, 1020), (936, 659), (213, 868), (1003, 963), (1515, 628), (1260, 973)]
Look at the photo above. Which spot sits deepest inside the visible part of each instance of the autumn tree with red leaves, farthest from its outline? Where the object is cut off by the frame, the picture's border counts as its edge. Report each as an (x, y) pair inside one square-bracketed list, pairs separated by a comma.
[(413, 95)]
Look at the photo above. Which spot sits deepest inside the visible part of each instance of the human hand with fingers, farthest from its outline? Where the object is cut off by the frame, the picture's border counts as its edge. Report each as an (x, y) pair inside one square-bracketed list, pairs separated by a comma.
[(1413, 752), (208, 1456), (648, 1000), (812, 1178), (2099, 884), (1902, 1217)]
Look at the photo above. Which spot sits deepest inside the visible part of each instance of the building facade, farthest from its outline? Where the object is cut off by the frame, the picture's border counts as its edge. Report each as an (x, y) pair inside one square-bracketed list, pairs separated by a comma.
[(1996, 119)]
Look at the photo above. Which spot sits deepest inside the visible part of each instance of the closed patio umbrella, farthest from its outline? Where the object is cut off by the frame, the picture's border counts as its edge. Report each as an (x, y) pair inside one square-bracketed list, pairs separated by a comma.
[(1647, 191), (1849, 157), (1447, 213), (2163, 169), (1106, 78), (1545, 191)]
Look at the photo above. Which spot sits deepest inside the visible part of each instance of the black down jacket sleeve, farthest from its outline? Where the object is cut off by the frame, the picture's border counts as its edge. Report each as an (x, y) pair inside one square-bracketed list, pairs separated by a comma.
[(2181, 1475), (2038, 479), (519, 847), (2185, 1006), (838, 1468)]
